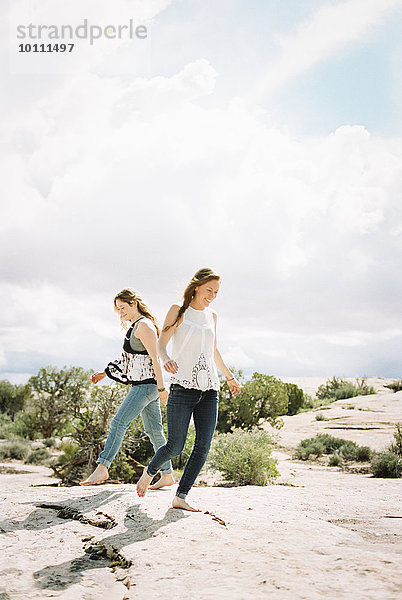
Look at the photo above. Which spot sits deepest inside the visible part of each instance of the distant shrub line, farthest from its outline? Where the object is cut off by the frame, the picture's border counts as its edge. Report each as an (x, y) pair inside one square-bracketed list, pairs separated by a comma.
[(383, 464), (323, 443), (62, 403), (340, 389)]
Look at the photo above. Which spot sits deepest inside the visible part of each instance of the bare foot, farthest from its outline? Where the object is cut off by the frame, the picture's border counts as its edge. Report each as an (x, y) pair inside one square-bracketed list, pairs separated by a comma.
[(101, 473), (180, 503), (165, 480), (143, 483)]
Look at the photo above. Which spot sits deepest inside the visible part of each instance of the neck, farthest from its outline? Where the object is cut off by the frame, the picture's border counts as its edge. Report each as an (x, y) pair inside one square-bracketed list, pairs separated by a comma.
[(135, 316), (194, 304)]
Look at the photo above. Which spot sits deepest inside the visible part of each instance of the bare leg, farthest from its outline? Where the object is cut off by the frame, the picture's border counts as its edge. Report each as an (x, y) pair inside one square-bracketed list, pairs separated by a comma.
[(180, 503), (101, 473), (165, 480), (143, 483)]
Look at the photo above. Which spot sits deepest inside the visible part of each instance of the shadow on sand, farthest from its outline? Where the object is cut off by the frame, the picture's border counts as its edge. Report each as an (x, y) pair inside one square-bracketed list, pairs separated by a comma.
[(139, 527)]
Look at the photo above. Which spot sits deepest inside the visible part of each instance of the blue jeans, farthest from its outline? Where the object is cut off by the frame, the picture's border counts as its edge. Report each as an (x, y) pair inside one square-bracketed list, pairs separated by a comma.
[(144, 399), (182, 405)]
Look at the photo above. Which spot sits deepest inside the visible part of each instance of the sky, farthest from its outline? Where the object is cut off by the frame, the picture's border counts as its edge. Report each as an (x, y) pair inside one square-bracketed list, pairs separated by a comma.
[(263, 139)]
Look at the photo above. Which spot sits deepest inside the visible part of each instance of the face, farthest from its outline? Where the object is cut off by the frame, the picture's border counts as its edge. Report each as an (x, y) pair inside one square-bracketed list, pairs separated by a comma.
[(124, 309), (205, 293)]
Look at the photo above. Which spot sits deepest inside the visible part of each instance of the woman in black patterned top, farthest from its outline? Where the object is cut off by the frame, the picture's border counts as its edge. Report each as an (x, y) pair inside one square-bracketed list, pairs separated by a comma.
[(140, 368)]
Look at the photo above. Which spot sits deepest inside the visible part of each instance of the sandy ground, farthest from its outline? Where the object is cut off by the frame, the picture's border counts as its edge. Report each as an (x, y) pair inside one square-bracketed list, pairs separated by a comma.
[(319, 532)]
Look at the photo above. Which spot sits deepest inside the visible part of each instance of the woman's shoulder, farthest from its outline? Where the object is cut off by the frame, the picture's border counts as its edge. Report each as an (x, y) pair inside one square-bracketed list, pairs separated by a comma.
[(143, 325), (213, 313), (171, 317)]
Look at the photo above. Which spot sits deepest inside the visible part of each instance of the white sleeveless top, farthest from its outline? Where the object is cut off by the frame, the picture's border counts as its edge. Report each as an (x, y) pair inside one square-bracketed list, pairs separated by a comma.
[(193, 351)]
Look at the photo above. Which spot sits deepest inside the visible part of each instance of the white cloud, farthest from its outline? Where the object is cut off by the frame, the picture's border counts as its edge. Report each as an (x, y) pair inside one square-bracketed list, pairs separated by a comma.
[(112, 182), (328, 31)]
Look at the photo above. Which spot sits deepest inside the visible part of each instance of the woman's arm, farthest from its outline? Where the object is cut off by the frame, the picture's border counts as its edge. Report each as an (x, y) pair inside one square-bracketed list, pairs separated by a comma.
[(147, 335), (169, 364), (232, 382)]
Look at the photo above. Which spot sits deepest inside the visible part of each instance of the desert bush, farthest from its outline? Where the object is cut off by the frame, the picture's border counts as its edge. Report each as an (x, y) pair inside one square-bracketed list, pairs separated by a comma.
[(308, 402), (395, 386), (244, 457), (262, 398), (13, 397), (396, 447), (39, 456), (6, 427), (50, 442), (295, 398), (323, 443), (15, 448), (363, 389), (320, 417), (58, 397), (348, 450), (309, 447), (389, 463), (89, 431), (386, 464), (339, 389), (335, 460), (363, 453)]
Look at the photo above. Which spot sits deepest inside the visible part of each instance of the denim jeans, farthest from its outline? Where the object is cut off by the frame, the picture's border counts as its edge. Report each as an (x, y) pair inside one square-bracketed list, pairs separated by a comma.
[(144, 399), (182, 405)]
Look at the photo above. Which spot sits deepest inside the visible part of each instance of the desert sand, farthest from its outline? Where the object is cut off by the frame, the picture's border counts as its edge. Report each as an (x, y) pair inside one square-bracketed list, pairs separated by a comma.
[(318, 532)]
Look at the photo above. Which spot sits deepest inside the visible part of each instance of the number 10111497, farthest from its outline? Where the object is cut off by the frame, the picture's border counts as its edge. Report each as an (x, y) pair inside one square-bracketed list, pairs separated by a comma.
[(45, 47)]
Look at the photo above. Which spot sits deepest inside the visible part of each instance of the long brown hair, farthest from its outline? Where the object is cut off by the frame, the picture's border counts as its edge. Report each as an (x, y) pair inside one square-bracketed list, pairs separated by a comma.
[(130, 296), (202, 276)]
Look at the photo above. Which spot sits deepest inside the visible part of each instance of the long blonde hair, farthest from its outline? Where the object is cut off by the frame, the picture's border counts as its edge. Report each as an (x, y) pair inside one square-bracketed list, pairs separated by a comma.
[(202, 276), (130, 296)]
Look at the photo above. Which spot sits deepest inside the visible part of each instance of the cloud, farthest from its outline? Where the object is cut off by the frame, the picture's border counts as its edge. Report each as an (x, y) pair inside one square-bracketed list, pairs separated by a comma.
[(138, 181), (328, 31)]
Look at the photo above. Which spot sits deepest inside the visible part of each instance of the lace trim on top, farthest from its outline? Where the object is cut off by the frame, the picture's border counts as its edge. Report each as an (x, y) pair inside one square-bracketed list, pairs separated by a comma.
[(201, 377)]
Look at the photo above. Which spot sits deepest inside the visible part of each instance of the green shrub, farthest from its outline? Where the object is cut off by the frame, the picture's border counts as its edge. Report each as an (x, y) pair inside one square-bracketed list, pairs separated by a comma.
[(244, 457), (49, 442), (335, 460), (396, 447), (363, 389), (323, 443), (6, 427), (295, 398), (39, 456), (308, 402), (395, 386), (339, 389), (320, 417), (389, 463), (363, 454), (59, 395), (121, 469), (386, 464), (263, 398), (15, 448), (348, 450), (313, 448), (344, 391), (13, 397)]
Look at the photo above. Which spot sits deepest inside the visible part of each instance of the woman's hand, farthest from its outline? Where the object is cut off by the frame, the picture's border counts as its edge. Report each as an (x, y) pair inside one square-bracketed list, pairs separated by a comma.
[(164, 396), (234, 386), (170, 366), (98, 377)]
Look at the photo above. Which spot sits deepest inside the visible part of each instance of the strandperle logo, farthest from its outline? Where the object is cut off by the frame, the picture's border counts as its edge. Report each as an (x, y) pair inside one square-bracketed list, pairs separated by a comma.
[(84, 31)]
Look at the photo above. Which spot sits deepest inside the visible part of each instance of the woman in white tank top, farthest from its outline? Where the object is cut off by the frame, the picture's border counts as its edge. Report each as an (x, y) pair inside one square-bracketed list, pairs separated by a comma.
[(194, 381)]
